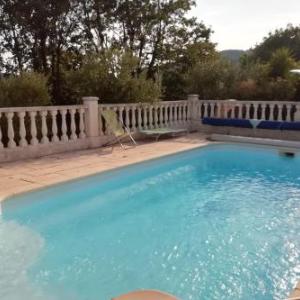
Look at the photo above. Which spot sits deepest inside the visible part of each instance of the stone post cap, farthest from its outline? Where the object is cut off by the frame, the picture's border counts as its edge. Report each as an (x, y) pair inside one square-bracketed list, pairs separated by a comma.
[(193, 97), (90, 98)]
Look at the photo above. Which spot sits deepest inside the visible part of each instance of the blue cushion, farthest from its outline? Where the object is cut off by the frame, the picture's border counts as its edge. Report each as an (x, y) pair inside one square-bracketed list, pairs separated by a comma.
[(227, 122), (269, 125), (290, 126)]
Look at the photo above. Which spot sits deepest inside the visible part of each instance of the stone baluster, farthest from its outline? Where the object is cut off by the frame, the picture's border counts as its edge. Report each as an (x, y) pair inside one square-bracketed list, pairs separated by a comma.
[(297, 113), (289, 112), (186, 117), (73, 124), (218, 110), (145, 116), (127, 119), (263, 111), (1, 143), (279, 107), (173, 120), (248, 106), (175, 114), (256, 108), (155, 116), (161, 117), (64, 136), (133, 118), (231, 111), (82, 134), (139, 111), (271, 116), (239, 111), (33, 131), (180, 114), (151, 117), (23, 141), (55, 138), (166, 120), (44, 139), (205, 110), (10, 130), (120, 109)]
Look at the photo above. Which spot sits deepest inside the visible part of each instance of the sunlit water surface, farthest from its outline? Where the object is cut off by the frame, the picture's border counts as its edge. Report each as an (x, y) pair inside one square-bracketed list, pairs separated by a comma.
[(220, 222)]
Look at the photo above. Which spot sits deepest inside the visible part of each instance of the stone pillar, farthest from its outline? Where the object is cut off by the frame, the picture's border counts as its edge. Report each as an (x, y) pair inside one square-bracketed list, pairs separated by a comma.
[(193, 102), (194, 111), (91, 116), (297, 113)]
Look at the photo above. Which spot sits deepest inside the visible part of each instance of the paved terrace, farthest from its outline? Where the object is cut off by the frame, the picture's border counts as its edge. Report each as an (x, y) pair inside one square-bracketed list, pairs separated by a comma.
[(30, 174)]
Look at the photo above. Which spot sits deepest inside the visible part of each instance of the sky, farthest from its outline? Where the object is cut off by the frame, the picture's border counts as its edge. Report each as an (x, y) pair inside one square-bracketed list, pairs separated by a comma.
[(240, 24)]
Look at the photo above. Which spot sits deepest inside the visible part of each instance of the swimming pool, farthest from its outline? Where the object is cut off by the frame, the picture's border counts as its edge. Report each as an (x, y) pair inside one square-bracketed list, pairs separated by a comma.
[(220, 222)]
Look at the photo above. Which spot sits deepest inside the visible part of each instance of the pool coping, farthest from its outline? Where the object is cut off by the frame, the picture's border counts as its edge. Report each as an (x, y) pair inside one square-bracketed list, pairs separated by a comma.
[(202, 143)]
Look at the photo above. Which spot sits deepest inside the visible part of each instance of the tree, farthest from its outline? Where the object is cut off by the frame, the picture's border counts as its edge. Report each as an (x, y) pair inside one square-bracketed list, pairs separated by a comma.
[(288, 37), (54, 37)]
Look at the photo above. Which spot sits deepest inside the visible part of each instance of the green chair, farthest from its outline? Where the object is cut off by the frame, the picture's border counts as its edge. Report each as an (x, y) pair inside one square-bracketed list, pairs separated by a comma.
[(116, 127)]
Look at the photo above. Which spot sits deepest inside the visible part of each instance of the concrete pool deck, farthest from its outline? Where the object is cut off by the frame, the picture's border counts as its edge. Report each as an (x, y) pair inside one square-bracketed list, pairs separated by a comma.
[(24, 176)]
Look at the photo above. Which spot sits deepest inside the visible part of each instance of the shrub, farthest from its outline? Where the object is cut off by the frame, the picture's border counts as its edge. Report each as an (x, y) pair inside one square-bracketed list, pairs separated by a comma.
[(212, 79), (112, 77), (281, 63), (27, 89)]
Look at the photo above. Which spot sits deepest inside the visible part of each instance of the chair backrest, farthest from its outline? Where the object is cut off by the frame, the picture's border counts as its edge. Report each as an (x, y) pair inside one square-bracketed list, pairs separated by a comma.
[(113, 122)]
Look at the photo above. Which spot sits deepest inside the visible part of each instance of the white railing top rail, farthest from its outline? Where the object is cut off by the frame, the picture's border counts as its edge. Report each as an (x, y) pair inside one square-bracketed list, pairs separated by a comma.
[(142, 104), (39, 108), (238, 102)]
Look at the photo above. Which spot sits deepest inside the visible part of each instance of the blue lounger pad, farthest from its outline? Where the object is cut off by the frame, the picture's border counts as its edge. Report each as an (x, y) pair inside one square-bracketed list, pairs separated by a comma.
[(227, 122), (270, 125), (290, 126)]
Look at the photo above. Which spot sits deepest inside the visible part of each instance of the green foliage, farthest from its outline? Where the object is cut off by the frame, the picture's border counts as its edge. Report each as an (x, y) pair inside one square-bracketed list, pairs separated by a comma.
[(135, 87), (113, 78), (281, 62), (27, 89), (212, 79), (174, 72), (55, 37)]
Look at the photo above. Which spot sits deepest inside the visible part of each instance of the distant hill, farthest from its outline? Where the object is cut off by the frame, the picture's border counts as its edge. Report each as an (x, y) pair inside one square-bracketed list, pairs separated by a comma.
[(233, 55)]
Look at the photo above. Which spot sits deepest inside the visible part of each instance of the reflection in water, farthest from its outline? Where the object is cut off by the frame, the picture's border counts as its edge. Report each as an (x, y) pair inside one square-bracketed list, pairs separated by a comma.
[(19, 249)]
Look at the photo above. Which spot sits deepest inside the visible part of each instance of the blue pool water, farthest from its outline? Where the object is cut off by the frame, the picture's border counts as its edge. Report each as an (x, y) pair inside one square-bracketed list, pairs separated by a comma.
[(221, 222)]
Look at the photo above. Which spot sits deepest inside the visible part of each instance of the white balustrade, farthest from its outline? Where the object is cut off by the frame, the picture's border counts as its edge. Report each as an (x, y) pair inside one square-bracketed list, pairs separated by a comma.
[(73, 125), (34, 141), (82, 134), (145, 115), (23, 141), (166, 118), (54, 126), (27, 127), (44, 139), (133, 119), (10, 130), (140, 127), (263, 110), (1, 143), (64, 136)]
